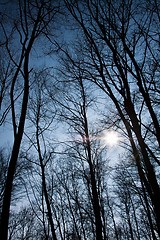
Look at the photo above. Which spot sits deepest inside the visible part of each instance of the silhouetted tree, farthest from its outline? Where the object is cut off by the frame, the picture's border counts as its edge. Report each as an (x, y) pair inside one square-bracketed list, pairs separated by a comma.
[(120, 56), (73, 110), (30, 21), (41, 120)]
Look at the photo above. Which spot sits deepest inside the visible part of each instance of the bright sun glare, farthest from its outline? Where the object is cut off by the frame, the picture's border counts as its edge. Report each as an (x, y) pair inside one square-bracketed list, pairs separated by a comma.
[(110, 138)]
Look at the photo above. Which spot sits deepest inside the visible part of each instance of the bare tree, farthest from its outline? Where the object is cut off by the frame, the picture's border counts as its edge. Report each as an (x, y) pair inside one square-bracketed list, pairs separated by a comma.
[(134, 212), (41, 117), (120, 56), (74, 108), (33, 21)]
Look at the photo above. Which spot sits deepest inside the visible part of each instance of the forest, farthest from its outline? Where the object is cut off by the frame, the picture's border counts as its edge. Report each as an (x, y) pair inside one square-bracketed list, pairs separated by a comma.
[(79, 120)]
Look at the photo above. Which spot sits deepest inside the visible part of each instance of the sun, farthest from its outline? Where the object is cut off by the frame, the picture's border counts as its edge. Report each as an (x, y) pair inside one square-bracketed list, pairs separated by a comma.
[(110, 138)]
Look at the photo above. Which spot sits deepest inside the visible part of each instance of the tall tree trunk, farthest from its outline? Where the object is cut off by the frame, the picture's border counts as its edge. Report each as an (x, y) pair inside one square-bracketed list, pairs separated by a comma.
[(95, 196), (44, 186), (12, 167), (17, 140)]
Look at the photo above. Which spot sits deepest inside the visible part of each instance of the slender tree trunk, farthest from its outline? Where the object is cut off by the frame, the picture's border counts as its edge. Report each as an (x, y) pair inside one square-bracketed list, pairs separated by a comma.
[(129, 222), (150, 173), (95, 196), (49, 211), (12, 168), (17, 143)]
